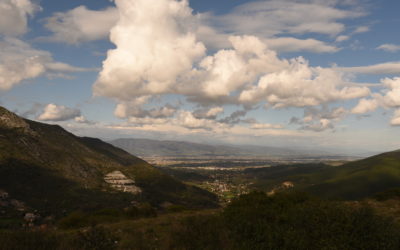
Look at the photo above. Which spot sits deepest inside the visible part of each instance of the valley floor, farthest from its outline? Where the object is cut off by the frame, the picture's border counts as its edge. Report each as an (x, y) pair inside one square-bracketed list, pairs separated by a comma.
[(230, 177)]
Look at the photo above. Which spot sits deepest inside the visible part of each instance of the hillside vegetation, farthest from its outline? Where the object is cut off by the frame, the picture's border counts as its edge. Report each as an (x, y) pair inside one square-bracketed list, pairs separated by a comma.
[(254, 221), (56, 192), (351, 181), (46, 169), (358, 179)]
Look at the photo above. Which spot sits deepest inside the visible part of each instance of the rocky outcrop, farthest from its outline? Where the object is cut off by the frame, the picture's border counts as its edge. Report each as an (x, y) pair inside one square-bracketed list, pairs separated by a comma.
[(9, 120), (35, 168), (120, 182), (7, 201), (283, 186), (3, 194)]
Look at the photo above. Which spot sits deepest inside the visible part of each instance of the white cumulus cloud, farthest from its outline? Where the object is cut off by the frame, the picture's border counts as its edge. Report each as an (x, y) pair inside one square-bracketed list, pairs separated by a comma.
[(389, 47), (211, 113), (83, 120), (301, 85), (342, 38), (392, 97), (188, 120), (53, 112), (14, 16), (19, 62), (361, 29), (229, 70), (365, 106), (290, 44), (266, 126), (396, 118), (81, 24), (152, 49), (318, 120), (318, 126)]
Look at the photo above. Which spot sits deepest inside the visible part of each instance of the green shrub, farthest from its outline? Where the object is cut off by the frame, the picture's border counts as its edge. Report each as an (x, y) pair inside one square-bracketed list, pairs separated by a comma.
[(74, 220), (298, 221), (141, 210), (393, 193), (80, 219), (176, 208), (199, 232), (28, 240), (111, 212), (96, 238), (254, 221)]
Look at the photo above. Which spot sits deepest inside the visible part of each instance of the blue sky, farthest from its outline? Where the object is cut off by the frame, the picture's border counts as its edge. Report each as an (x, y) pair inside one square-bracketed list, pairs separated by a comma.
[(292, 73)]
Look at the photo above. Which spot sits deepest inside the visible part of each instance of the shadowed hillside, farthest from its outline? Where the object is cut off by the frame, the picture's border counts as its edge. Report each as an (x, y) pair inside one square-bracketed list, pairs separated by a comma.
[(48, 169)]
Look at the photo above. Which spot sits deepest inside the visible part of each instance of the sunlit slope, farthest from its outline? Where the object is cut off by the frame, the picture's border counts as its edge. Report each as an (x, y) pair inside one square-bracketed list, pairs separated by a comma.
[(358, 179)]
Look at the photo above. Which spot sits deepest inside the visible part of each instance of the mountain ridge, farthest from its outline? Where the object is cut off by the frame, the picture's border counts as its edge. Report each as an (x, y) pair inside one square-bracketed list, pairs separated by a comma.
[(170, 148), (51, 170), (362, 178), (354, 180)]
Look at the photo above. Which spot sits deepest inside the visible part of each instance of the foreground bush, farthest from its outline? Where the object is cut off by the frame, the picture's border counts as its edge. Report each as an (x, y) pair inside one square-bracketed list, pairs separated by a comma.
[(253, 221), (26, 240), (297, 221), (92, 238), (96, 238)]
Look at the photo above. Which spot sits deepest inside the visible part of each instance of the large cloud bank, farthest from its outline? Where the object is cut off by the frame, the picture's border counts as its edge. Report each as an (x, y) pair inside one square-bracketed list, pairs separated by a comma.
[(159, 52)]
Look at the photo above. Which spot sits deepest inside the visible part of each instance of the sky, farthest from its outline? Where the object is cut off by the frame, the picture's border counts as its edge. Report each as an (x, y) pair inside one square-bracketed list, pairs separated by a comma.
[(316, 74)]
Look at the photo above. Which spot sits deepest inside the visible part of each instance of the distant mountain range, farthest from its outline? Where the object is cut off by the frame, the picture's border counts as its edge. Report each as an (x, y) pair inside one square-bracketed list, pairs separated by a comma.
[(147, 147), (45, 168)]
